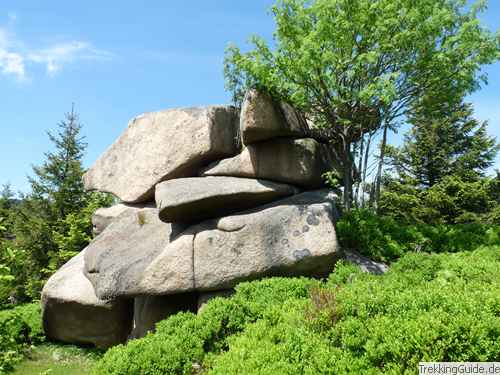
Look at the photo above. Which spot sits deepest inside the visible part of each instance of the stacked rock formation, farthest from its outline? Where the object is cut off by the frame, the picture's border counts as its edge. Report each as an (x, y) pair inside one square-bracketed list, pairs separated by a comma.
[(210, 197)]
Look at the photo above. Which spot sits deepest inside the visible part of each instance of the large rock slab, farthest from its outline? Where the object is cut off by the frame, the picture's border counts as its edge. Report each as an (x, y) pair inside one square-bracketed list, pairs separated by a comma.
[(72, 313), (263, 118), (194, 199), (102, 217), (149, 310), (299, 162), (163, 145), (115, 260), (293, 236)]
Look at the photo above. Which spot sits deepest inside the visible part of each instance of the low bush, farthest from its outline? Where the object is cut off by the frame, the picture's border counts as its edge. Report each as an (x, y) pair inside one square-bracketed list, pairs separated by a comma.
[(184, 340), (431, 307), (386, 239), (20, 327)]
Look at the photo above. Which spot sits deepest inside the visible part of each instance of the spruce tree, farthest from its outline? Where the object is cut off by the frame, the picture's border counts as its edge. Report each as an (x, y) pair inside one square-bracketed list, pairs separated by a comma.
[(53, 221), (444, 142), (59, 179), (439, 173)]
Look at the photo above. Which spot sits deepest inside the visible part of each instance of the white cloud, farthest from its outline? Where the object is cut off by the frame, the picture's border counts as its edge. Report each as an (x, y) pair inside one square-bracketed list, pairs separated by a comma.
[(56, 56), (16, 58), (12, 63)]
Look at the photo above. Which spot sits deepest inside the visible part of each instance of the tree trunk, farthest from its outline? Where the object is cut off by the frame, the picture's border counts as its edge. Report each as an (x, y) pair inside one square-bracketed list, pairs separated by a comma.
[(380, 165), (365, 167), (347, 171), (360, 170)]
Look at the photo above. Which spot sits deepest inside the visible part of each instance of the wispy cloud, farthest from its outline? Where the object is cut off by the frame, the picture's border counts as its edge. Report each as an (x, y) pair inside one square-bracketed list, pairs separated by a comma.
[(58, 55), (11, 62), (16, 58)]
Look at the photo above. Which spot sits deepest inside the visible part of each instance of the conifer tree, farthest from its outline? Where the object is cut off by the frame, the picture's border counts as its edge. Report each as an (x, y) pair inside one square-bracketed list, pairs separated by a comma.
[(59, 179), (444, 142), (53, 222)]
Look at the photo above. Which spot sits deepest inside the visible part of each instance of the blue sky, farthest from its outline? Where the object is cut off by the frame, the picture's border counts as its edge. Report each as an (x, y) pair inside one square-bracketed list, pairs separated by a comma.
[(116, 59)]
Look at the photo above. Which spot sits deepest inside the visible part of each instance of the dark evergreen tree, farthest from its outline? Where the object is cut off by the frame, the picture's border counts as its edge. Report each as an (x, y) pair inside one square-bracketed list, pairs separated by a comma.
[(444, 142), (53, 221), (439, 172), (59, 179)]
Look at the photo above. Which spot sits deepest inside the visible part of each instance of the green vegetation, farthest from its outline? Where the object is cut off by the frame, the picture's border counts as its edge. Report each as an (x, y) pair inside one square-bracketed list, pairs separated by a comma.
[(438, 174), (357, 69), (20, 328), (439, 307), (386, 239), (51, 224), (357, 66), (52, 359)]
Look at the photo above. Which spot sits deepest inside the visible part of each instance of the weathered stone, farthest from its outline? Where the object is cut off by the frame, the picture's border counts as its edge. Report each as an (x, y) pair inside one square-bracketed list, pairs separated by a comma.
[(366, 264), (149, 310), (102, 217), (172, 271), (299, 162), (115, 260), (262, 118), (197, 198), (163, 145), (72, 313), (204, 298), (293, 236)]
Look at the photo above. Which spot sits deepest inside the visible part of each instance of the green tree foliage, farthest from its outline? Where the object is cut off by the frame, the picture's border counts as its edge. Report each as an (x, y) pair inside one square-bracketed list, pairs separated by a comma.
[(58, 181), (20, 328), (444, 142), (53, 222), (439, 171), (7, 203), (386, 239), (354, 66)]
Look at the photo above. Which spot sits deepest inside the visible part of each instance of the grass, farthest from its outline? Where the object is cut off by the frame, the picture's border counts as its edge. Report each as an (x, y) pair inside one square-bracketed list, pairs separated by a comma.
[(57, 359)]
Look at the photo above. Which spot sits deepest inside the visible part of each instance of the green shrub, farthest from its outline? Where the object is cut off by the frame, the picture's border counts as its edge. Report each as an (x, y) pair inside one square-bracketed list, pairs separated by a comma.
[(440, 307), (434, 307), (386, 239), (185, 339), (20, 328)]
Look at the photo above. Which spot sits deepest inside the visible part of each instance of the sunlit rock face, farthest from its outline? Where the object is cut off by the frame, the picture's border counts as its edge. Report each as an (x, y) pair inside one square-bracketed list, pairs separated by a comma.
[(211, 196)]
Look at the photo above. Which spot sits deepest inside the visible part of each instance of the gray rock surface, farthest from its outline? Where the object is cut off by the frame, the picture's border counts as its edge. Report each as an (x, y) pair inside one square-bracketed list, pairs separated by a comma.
[(366, 264), (102, 217), (194, 199), (262, 119), (149, 310), (293, 236), (163, 145), (299, 162), (72, 312), (116, 259)]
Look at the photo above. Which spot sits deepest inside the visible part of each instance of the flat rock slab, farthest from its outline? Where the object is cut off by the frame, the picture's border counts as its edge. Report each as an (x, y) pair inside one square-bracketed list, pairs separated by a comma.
[(115, 260), (102, 217), (293, 236), (263, 118), (300, 162), (194, 199), (163, 145), (72, 313)]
